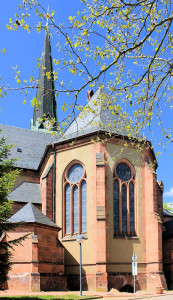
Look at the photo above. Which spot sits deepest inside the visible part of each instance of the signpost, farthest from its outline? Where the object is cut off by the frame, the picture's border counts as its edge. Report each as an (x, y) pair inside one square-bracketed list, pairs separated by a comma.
[(134, 267)]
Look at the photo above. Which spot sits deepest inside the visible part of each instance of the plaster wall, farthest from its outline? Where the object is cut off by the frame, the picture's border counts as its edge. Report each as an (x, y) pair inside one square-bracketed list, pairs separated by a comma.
[(19, 180), (120, 250), (83, 154)]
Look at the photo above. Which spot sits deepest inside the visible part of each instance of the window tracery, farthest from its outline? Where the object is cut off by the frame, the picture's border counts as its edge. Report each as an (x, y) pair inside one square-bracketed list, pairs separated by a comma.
[(124, 200), (75, 197)]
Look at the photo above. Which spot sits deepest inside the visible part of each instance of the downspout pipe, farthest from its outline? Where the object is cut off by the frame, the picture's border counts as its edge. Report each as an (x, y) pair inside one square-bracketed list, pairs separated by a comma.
[(54, 183)]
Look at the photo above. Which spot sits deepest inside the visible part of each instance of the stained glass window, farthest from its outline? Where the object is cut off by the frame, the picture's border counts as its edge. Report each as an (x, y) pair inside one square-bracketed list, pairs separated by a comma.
[(116, 206), (75, 200), (75, 173), (124, 209), (75, 210), (123, 172), (132, 212), (83, 207), (67, 209), (124, 226)]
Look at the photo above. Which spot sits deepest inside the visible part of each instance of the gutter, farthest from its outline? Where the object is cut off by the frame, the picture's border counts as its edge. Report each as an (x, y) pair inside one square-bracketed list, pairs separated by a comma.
[(54, 183)]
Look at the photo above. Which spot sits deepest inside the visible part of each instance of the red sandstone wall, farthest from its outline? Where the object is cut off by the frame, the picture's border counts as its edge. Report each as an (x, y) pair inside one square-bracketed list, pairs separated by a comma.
[(158, 197), (50, 251), (47, 195), (39, 261)]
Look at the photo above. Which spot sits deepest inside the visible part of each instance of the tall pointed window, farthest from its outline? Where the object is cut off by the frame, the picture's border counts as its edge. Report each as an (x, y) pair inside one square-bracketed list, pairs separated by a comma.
[(124, 200), (75, 198)]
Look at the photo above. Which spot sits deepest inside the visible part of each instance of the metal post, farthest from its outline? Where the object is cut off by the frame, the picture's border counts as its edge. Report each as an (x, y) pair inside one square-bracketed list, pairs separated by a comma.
[(134, 284), (80, 239), (80, 269)]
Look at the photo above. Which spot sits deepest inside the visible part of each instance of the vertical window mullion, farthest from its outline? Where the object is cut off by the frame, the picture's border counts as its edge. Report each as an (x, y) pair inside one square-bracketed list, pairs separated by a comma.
[(120, 207), (71, 211), (79, 210), (128, 210)]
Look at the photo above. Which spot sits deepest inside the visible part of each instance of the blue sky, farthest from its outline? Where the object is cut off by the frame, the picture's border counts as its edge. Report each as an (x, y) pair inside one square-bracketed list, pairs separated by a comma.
[(22, 49)]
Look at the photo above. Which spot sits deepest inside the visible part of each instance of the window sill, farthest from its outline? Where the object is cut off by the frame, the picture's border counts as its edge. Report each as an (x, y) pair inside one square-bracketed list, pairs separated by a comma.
[(135, 237), (73, 237)]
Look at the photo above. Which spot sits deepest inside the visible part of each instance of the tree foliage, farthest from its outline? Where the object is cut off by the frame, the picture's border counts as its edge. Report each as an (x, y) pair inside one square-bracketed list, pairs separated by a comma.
[(168, 207), (124, 46), (7, 177)]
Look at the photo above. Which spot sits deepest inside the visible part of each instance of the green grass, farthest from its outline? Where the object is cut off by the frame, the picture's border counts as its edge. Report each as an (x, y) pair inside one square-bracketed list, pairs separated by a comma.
[(66, 297)]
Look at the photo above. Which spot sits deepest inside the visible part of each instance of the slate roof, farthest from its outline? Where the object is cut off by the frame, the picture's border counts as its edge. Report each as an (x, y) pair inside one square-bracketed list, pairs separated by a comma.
[(31, 214), (27, 192), (32, 144), (167, 213), (96, 116)]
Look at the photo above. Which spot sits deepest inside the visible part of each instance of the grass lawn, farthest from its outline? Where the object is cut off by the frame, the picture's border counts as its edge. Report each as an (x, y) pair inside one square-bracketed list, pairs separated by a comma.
[(66, 297)]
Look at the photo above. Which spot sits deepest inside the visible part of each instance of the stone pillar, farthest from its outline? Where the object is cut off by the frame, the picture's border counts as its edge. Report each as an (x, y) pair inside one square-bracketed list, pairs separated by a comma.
[(101, 274), (35, 276), (152, 233)]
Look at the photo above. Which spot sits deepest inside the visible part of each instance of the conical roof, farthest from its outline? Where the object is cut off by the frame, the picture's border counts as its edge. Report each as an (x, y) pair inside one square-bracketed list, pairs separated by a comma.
[(31, 214), (45, 91)]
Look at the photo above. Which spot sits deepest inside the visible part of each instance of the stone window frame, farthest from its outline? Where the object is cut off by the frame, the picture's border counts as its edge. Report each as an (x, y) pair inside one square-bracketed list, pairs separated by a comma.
[(66, 181), (119, 233)]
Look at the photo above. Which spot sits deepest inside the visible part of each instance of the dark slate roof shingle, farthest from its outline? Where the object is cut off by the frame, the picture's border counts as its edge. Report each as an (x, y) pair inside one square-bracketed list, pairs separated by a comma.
[(97, 116), (27, 192), (31, 214), (32, 144)]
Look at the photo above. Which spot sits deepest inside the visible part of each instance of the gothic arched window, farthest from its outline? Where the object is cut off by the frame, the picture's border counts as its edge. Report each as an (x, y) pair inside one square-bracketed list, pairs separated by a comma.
[(124, 200), (75, 198)]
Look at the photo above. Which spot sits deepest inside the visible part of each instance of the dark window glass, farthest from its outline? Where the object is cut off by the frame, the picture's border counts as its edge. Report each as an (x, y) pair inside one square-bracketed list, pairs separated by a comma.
[(116, 206), (83, 207), (75, 210), (67, 209), (132, 208), (124, 209), (123, 172)]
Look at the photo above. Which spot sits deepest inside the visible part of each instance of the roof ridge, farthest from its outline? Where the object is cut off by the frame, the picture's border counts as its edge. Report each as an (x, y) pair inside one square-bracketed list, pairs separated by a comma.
[(27, 130), (29, 213)]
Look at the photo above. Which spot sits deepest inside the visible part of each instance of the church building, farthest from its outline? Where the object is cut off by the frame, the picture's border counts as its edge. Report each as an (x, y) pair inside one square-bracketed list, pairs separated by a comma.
[(83, 183)]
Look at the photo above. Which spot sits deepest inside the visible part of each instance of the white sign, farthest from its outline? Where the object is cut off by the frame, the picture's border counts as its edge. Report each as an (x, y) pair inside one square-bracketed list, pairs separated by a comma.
[(134, 268), (134, 264)]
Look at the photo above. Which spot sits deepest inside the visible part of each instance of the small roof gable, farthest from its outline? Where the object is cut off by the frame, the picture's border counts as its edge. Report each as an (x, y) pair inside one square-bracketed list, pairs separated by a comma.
[(27, 192), (31, 214), (29, 145)]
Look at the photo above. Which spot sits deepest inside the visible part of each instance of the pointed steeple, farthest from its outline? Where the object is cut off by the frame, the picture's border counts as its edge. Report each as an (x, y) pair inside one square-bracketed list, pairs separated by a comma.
[(45, 91)]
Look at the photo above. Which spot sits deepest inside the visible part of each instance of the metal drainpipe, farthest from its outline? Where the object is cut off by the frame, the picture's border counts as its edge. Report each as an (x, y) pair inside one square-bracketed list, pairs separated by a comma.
[(54, 181)]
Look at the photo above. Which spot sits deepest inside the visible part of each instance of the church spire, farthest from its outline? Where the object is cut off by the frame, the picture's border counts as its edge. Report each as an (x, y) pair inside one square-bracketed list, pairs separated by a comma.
[(45, 91)]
